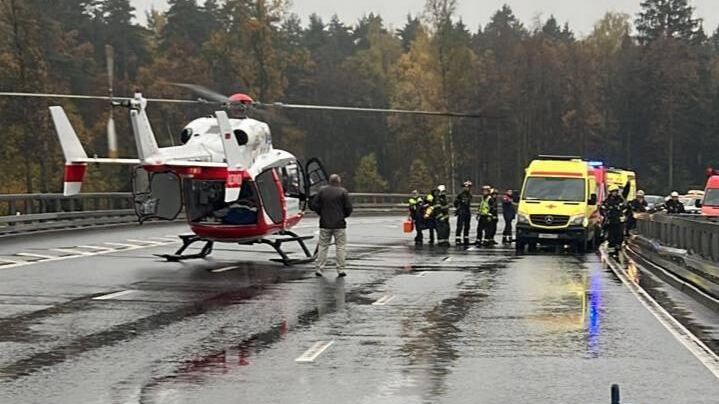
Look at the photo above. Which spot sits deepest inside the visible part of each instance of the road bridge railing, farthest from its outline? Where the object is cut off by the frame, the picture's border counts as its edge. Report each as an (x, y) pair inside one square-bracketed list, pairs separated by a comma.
[(20, 213), (24, 213), (696, 235), (687, 246)]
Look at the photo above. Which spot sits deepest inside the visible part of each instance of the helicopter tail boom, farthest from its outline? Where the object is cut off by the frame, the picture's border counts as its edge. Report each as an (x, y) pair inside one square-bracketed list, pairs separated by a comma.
[(76, 159)]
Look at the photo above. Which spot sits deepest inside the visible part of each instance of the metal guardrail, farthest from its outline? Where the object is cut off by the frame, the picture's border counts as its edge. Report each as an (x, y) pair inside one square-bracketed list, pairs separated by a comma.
[(26, 204), (20, 213), (698, 236)]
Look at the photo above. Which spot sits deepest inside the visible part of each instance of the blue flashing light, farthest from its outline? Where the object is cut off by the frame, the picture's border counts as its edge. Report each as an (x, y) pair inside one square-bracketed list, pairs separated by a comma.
[(596, 163)]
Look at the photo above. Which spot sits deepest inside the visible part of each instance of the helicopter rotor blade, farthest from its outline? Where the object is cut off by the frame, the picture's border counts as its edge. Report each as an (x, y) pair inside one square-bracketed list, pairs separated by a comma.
[(204, 92), (282, 105), (111, 134), (258, 106), (98, 97)]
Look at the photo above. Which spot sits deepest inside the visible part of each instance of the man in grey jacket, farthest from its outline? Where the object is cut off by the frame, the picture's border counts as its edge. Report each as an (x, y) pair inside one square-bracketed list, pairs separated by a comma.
[(333, 205)]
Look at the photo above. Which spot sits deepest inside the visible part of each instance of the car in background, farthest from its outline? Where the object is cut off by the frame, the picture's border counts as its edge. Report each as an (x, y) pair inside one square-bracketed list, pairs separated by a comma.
[(653, 201), (692, 203)]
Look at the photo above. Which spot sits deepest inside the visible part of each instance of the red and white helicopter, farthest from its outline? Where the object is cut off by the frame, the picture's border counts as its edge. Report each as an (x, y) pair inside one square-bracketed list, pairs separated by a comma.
[(234, 186)]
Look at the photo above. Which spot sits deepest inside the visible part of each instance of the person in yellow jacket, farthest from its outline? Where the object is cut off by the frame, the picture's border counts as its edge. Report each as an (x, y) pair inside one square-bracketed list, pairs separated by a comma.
[(430, 222), (486, 217)]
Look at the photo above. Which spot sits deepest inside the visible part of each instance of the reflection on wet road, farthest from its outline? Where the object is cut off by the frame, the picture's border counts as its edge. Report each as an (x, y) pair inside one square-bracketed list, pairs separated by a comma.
[(406, 326)]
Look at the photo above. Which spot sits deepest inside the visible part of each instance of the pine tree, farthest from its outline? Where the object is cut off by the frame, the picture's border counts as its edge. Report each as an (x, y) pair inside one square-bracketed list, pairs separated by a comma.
[(667, 19), (367, 177), (409, 31)]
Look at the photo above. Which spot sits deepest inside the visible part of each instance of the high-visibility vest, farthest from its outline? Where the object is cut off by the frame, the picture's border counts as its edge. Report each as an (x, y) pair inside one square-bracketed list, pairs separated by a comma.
[(484, 207)]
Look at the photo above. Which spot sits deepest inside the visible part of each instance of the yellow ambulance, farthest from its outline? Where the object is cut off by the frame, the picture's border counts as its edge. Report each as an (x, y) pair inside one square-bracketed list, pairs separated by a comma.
[(558, 205), (620, 178)]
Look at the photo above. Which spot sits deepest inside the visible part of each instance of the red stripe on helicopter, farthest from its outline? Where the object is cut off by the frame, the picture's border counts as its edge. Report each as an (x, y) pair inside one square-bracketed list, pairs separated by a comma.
[(234, 179), (75, 172), (205, 173)]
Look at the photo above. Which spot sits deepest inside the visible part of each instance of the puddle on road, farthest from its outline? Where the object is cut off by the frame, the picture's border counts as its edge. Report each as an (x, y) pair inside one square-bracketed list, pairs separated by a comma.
[(433, 345)]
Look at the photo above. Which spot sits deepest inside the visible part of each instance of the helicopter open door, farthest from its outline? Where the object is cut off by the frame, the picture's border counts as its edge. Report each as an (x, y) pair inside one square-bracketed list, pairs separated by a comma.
[(316, 177), (156, 195)]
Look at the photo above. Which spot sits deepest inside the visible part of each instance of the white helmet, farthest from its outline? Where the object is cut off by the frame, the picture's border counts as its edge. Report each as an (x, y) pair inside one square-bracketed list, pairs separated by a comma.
[(640, 193), (441, 188), (675, 194)]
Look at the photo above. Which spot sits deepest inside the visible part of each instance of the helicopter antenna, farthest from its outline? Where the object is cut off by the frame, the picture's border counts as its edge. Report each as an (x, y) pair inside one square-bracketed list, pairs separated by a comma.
[(111, 133)]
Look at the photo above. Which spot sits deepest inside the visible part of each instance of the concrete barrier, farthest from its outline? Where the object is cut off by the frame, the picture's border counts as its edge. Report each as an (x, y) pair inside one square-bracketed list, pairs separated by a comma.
[(699, 236)]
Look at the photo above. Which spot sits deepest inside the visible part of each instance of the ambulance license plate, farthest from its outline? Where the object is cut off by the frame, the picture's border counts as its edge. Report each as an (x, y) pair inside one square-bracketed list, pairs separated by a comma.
[(549, 236)]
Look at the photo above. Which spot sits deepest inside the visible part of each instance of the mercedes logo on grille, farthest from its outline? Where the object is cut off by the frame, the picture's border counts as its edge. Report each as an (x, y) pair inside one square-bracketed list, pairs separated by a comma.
[(549, 219)]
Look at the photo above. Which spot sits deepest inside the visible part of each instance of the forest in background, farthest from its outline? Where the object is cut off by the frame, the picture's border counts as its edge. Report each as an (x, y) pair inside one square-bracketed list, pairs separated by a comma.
[(640, 92)]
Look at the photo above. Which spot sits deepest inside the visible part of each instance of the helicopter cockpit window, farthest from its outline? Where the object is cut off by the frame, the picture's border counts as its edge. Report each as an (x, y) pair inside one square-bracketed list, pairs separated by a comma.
[(291, 180), (185, 135)]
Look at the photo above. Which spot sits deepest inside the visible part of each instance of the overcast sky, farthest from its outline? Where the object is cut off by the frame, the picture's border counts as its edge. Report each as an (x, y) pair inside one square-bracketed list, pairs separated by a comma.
[(581, 14)]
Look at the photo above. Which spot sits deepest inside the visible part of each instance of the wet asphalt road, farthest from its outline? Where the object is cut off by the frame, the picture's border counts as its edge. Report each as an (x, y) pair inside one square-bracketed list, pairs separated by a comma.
[(102, 321)]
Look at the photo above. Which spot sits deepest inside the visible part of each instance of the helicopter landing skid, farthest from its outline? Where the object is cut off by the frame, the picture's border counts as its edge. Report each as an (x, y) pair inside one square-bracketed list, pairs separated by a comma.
[(277, 245), (187, 240)]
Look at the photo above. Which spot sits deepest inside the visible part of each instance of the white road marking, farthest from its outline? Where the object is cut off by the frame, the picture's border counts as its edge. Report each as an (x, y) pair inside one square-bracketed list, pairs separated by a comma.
[(8, 261), (33, 255), (422, 274), (693, 344), (123, 245), (70, 251), (145, 242), (114, 295), (166, 239), (384, 300), (15, 264), (94, 247), (384, 247), (315, 350), (224, 269)]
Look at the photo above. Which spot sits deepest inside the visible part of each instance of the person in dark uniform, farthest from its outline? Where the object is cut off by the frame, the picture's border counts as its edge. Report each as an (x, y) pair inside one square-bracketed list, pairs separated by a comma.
[(509, 214), (463, 211), (614, 211), (416, 213), (442, 215), (636, 206), (674, 206)]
